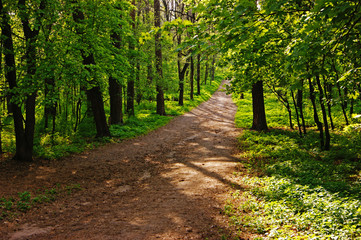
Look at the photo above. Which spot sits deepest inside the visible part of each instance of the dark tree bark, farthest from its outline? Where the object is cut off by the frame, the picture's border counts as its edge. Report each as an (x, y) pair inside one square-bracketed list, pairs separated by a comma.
[(158, 61), (24, 136), (206, 72), (130, 96), (181, 73), (328, 96), (116, 109), (297, 115), (315, 114), (191, 79), (324, 114), (94, 94), (213, 68), (198, 74), (181, 83), (300, 107), (49, 108), (259, 114), (115, 91), (131, 82)]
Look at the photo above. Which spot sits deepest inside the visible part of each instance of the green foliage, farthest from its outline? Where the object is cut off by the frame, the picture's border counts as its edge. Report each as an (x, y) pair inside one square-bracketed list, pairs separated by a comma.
[(12, 206), (294, 190)]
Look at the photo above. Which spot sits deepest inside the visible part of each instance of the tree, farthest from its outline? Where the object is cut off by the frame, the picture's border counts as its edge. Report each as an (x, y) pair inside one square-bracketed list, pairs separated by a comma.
[(158, 60), (93, 93)]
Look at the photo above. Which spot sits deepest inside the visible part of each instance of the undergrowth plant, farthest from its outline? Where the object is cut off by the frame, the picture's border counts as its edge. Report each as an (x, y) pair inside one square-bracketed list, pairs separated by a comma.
[(295, 190), (10, 206)]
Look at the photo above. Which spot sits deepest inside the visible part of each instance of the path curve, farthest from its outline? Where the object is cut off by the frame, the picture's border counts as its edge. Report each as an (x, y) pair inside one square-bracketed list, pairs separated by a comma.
[(169, 184)]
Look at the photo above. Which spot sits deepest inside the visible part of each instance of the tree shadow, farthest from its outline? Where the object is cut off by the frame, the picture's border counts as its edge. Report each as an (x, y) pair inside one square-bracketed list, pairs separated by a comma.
[(286, 154)]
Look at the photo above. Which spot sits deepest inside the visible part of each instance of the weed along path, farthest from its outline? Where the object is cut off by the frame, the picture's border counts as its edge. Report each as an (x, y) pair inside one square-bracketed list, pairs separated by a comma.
[(169, 184)]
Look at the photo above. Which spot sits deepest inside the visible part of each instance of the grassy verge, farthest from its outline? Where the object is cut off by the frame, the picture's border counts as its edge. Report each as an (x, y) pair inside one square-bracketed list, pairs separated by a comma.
[(57, 145), (294, 190)]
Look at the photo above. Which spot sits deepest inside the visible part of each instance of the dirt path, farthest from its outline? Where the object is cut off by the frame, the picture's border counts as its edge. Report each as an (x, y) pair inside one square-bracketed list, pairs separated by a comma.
[(169, 184)]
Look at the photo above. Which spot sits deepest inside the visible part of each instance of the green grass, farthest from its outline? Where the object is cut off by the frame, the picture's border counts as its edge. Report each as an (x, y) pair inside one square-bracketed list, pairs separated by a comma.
[(11, 206), (294, 190)]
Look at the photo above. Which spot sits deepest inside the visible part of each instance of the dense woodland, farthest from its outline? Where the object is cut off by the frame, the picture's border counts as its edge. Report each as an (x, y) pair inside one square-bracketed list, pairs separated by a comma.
[(75, 71), (66, 64)]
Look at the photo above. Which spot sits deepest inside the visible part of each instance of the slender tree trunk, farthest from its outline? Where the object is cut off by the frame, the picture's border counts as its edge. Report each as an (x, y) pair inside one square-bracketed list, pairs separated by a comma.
[(181, 73), (297, 115), (213, 68), (131, 84), (115, 91), (116, 109), (158, 61), (300, 107), (77, 114), (139, 93), (328, 96), (181, 83), (206, 72), (198, 74), (259, 114), (342, 99), (49, 108), (343, 103), (191, 79), (288, 107), (150, 73), (315, 114), (324, 114)]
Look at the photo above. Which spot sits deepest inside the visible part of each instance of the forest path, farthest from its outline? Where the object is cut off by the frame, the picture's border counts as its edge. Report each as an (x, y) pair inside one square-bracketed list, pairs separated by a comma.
[(169, 184)]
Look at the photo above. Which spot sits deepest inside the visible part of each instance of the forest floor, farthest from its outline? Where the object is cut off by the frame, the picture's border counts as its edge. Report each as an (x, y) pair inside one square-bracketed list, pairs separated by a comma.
[(169, 184)]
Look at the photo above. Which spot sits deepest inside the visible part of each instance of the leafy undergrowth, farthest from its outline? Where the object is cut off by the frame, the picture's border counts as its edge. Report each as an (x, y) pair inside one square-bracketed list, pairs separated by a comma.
[(296, 191), (12, 206), (54, 146)]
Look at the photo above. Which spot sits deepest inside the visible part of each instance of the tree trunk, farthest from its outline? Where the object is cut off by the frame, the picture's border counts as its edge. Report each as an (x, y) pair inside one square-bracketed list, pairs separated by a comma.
[(259, 114), (131, 84), (198, 74), (49, 108), (300, 107), (342, 99), (213, 68), (181, 73), (130, 96), (98, 112), (158, 61), (115, 91), (116, 109), (297, 115), (94, 94), (328, 95), (315, 114), (206, 72), (191, 79), (324, 114), (25, 148), (289, 113), (181, 83)]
